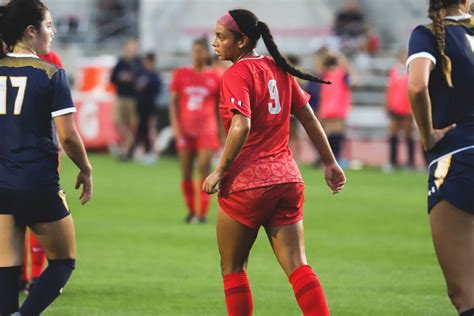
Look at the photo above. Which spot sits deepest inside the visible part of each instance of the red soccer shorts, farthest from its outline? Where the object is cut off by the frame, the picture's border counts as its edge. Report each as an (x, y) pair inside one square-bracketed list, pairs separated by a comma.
[(275, 205), (198, 141)]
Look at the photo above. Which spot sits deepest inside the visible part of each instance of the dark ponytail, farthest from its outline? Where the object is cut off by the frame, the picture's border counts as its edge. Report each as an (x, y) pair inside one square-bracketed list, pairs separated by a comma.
[(279, 59), (437, 13), (3, 48), (15, 17), (253, 28)]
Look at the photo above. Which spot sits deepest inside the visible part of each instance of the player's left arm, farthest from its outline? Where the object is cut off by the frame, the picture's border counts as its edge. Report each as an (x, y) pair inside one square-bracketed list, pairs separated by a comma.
[(418, 78), (236, 138)]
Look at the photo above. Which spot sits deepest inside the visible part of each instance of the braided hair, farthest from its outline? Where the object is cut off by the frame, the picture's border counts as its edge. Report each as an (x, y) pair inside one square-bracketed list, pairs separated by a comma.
[(15, 17), (254, 29), (436, 12)]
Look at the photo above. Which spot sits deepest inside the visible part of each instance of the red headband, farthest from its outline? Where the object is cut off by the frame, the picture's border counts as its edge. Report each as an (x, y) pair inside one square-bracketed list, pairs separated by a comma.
[(228, 21)]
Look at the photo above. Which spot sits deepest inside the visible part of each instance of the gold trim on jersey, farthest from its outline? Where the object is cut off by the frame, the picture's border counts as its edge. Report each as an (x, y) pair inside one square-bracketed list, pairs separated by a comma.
[(18, 62), (441, 171), (469, 23), (62, 196)]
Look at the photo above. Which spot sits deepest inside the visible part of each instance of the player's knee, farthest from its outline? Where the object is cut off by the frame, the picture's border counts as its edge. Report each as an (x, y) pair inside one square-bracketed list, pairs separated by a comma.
[(66, 263), (232, 267)]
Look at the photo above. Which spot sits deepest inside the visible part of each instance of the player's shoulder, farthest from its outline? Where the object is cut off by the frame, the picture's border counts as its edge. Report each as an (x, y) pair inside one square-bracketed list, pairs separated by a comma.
[(29, 61)]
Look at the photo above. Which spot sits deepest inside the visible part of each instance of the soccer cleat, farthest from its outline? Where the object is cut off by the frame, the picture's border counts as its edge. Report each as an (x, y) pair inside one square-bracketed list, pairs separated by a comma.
[(190, 219), (202, 220)]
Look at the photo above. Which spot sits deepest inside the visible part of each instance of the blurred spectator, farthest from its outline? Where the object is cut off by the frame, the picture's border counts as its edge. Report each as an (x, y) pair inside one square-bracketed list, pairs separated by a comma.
[(397, 107), (349, 21), (335, 102), (314, 88), (124, 75), (355, 38), (148, 87)]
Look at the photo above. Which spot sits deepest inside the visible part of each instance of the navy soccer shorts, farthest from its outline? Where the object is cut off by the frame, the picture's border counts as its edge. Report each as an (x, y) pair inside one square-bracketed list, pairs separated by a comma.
[(452, 179), (33, 207)]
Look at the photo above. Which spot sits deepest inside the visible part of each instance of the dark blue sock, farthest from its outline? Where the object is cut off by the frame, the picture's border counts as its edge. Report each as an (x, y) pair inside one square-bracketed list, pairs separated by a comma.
[(468, 313), (393, 143), (48, 287), (9, 290)]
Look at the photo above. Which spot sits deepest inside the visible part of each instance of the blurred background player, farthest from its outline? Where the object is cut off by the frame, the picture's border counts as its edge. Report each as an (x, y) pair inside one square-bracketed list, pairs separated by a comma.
[(124, 76), (35, 258), (34, 92), (193, 117), (441, 76), (257, 178), (397, 107), (335, 101), (148, 86)]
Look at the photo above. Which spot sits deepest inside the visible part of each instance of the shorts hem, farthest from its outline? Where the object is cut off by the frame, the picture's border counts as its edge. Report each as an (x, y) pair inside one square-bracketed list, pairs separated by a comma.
[(240, 220)]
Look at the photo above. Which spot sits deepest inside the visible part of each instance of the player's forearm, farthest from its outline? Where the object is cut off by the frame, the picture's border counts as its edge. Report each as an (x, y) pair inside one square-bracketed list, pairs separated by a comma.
[(236, 138), (174, 118), (74, 148), (421, 108), (316, 134)]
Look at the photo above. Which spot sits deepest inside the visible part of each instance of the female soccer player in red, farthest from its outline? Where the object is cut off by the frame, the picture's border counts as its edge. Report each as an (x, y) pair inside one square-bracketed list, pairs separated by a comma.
[(440, 77), (257, 178), (193, 117)]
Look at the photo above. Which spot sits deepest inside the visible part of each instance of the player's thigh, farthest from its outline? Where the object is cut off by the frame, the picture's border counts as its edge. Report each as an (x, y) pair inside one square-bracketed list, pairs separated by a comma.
[(12, 242), (234, 241), (204, 156), (453, 237), (392, 126), (186, 161), (288, 245), (57, 238), (407, 126)]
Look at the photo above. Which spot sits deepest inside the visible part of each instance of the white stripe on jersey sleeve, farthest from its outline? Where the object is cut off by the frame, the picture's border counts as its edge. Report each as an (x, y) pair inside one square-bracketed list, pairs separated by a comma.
[(421, 55), (63, 111)]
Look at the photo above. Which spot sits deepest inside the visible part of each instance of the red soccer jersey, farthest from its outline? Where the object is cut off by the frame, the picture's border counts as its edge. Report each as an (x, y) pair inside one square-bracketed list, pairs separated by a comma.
[(197, 96), (397, 90), (257, 88)]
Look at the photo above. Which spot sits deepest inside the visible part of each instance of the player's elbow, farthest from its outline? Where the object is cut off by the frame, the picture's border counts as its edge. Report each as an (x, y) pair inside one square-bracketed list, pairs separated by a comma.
[(417, 88), (70, 140)]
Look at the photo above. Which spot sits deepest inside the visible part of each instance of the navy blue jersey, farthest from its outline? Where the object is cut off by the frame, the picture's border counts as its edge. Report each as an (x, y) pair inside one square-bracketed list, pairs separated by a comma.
[(32, 92), (449, 105)]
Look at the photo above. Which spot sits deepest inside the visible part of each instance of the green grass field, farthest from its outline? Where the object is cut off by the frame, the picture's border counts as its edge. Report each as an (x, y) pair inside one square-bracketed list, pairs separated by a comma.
[(370, 246)]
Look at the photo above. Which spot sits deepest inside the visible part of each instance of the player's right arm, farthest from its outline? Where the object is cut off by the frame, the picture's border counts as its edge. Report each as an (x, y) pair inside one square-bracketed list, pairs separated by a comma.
[(72, 144), (173, 112), (334, 175)]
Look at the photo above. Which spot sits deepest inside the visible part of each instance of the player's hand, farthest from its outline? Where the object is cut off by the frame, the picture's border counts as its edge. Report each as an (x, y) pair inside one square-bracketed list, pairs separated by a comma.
[(212, 181), (84, 179), (335, 177), (436, 136)]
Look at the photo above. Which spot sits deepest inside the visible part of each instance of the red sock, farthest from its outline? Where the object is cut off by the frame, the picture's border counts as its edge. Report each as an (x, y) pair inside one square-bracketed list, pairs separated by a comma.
[(38, 258), (188, 191), (308, 292), (205, 200), (238, 296)]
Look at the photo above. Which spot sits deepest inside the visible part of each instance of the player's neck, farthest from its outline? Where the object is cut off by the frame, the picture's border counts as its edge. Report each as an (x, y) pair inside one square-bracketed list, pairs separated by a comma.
[(199, 68), (454, 11), (246, 54), (21, 48)]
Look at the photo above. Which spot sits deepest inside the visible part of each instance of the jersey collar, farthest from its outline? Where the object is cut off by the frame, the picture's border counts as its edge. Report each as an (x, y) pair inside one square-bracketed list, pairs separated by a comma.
[(251, 58), (459, 17), (21, 55)]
